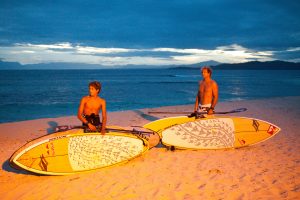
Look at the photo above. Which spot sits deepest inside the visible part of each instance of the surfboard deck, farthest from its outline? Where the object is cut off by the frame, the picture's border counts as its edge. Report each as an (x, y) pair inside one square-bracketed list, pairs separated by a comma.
[(212, 133), (74, 151)]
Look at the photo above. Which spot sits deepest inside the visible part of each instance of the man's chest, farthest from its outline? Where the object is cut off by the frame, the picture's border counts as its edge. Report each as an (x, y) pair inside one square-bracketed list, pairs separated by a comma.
[(205, 87)]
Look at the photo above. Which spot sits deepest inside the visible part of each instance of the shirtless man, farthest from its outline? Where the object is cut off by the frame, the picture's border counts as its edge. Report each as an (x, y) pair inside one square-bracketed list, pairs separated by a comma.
[(90, 106), (207, 96)]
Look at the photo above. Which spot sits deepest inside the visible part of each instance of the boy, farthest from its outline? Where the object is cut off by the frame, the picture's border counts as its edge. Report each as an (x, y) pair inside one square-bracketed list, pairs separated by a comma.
[(90, 107)]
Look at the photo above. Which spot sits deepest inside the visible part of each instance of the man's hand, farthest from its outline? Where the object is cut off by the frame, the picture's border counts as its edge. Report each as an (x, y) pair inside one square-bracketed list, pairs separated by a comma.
[(194, 114), (210, 111)]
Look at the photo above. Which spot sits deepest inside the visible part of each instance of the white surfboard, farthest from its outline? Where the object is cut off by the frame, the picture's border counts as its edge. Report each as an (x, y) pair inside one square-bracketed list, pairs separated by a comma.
[(212, 133)]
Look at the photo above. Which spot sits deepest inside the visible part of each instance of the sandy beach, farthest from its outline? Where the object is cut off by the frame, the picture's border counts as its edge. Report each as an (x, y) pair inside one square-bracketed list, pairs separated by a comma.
[(268, 170)]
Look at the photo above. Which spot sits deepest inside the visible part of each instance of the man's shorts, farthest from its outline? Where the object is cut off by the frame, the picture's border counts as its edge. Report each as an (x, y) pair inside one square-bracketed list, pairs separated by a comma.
[(203, 108)]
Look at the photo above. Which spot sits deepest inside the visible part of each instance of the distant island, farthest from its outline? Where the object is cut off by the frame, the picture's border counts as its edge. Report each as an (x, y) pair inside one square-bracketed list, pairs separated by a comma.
[(279, 65), (253, 65)]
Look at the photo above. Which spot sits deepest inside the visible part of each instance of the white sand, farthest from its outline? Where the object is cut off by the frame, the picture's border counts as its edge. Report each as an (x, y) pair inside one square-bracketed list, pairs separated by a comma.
[(268, 170)]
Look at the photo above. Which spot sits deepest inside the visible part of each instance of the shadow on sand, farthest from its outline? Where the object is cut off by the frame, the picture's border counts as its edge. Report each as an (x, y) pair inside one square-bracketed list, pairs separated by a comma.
[(52, 126), (146, 116), (6, 167)]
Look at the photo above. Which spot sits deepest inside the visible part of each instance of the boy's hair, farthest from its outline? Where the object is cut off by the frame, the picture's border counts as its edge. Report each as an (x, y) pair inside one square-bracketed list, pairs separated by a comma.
[(209, 70), (96, 85)]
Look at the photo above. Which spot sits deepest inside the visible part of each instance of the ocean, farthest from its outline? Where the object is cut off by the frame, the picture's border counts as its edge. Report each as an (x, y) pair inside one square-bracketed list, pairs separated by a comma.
[(32, 94)]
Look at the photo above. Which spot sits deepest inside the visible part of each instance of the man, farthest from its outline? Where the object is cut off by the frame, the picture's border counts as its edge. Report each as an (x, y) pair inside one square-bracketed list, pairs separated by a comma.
[(90, 107), (207, 96)]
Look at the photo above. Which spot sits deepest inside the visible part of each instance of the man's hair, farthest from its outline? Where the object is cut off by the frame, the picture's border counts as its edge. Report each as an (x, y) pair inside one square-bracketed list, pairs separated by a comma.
[(96, 85), (209, 70)]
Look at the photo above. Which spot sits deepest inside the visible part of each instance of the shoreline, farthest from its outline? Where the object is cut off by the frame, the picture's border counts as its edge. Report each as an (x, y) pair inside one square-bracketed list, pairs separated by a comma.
[(268, 170), (158, 108)]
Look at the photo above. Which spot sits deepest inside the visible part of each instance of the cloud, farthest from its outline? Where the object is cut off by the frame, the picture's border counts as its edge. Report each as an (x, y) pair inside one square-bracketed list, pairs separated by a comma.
[(294, 49), (75, 53), (224, 54), (65, 45)]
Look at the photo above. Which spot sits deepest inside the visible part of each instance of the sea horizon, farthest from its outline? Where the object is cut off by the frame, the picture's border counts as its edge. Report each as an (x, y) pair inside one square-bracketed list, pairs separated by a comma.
[(250, 65)]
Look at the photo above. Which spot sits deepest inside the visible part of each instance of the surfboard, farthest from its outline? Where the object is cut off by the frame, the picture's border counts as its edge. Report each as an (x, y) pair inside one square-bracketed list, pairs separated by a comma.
[(212, 133), (74, 151)]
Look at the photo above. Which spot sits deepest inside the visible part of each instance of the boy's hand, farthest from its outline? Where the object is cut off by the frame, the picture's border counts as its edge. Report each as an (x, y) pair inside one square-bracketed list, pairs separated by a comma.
[(92, 127), (102, 131)]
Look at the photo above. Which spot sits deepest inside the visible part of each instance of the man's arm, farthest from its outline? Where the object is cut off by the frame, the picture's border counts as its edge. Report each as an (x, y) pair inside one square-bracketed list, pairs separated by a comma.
[(215, 96), (215, 92), (197, 99), (196, 102), (104, 117)]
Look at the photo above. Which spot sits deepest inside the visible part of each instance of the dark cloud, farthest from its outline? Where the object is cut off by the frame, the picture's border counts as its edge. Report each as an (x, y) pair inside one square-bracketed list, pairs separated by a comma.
[(258, 24)]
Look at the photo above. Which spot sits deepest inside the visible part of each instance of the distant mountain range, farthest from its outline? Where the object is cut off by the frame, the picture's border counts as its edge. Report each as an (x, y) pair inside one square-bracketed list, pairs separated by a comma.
[(58, 65), (253, 65)]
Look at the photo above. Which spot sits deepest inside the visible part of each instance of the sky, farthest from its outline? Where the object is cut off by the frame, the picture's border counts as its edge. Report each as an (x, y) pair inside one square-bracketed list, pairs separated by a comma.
[(148, 32)]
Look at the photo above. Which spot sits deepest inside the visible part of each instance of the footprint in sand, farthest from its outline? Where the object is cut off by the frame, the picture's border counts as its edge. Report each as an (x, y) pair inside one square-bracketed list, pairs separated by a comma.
[(215, 171)]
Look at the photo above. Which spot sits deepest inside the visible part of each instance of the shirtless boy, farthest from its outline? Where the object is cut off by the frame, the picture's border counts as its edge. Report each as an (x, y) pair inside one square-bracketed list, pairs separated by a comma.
[(90, 107), (207, 96)]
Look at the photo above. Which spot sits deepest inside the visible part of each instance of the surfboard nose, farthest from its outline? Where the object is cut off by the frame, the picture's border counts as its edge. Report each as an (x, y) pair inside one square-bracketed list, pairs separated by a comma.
[(273, 129)]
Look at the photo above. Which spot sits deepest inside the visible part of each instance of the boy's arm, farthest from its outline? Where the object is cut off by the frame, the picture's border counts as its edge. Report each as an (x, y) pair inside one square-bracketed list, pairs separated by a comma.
[(104, 117), (80, 111)]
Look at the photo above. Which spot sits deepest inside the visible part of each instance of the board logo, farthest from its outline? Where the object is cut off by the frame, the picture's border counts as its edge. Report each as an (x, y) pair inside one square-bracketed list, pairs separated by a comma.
[(43, 163), (255, 124), (50, 149), (57, 138), (272, 130), (242, 142)]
